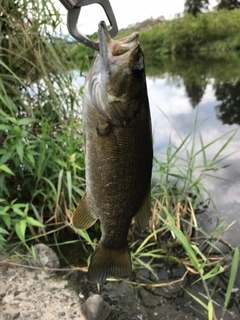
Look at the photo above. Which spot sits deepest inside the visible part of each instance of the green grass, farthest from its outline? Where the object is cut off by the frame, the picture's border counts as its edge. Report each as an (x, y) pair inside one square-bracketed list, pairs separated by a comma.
[(41, 143), (179, 192)]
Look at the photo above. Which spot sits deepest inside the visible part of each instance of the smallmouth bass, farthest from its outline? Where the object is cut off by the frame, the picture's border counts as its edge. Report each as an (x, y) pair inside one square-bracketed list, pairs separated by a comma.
[(118, 152)]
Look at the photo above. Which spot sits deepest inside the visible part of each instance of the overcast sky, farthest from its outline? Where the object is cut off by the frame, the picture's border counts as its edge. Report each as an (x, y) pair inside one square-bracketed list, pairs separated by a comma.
[(126, 12)]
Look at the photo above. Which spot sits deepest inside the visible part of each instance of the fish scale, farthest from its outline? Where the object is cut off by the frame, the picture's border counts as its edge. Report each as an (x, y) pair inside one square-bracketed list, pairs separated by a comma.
[(118, 152)]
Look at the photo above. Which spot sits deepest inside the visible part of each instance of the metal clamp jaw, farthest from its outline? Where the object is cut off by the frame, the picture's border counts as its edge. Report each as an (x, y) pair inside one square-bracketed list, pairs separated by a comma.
[(74, 9), (69, 4)]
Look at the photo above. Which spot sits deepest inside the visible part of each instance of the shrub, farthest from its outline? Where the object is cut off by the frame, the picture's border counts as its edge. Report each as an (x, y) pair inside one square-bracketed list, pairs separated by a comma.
[(41, 156)]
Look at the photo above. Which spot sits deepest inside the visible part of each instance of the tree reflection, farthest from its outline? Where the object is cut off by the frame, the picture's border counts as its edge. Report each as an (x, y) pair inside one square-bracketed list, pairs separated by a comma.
[(195, 91), (229, 110)]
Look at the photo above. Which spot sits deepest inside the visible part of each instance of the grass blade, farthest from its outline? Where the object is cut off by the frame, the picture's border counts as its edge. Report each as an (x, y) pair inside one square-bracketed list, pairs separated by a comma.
[(233, 273)]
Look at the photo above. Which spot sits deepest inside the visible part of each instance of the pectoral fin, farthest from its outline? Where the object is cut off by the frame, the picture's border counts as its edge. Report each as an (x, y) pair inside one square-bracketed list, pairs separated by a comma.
[(83, 216), (143, 214)]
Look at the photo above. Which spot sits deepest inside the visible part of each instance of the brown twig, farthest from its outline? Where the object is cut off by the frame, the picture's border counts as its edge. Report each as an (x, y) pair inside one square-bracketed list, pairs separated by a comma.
[(153, 285), (82, 269)]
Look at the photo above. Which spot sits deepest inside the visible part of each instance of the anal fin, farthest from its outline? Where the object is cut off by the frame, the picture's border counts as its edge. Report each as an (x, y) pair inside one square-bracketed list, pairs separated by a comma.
[(83, 216), (143, 214)]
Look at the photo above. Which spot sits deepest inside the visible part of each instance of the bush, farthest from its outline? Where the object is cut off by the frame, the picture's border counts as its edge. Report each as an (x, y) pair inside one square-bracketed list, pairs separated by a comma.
[(41, 144)]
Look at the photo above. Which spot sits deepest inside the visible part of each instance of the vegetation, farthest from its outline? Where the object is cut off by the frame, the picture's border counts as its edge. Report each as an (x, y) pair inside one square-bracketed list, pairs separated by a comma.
[(229, 4), (41, 148), (178, 196), (212, 31), (216, 31), (195, 6), (41, 161)]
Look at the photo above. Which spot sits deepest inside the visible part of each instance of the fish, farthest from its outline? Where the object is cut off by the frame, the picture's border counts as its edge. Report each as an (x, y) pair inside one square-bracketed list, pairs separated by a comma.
[(118, 153)]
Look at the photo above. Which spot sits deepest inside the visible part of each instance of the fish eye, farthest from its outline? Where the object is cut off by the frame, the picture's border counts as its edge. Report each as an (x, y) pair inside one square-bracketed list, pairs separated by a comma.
[(137, 70)]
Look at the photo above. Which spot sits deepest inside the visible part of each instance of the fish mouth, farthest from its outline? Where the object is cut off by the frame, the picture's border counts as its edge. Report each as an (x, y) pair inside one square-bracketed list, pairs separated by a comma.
[(115, 47)]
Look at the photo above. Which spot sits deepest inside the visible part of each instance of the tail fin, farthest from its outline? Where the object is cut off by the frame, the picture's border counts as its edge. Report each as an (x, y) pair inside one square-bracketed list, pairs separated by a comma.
[(109, 263)]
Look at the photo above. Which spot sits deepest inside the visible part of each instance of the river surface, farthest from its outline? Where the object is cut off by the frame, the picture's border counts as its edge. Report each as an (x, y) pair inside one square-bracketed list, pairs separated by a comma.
[(174, 117), (200, 95)]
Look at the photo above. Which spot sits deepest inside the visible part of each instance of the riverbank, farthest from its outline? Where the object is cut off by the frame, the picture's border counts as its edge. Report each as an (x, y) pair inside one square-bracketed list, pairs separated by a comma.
[(33, 294), (38, 288), (215, 31)]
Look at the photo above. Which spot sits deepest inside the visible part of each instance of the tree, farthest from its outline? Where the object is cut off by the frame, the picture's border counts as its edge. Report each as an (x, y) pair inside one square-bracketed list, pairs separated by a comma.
[(229, 4), (195, 6), (195, 92), (228, 111)]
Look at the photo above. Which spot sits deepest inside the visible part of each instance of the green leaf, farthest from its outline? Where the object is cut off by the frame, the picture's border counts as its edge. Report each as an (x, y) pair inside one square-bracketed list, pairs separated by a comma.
[(18, 205), (233, 273), (30, 157), (198, 301), (215, 271), (20, 228), (25, 121), (6, 219), (18, 211), (26, 210), (69, 187), (78, 190), (52, 186), (24, 133), (2, 240), (3, 231), (11, 119), (5, 127), (210, 310), (61, 163), (84, 235), (10, 71), (81, 90), (19, 149), (34, 222), (4, 168), (182, 239), (37, 214), (59, 186), (6, 156)]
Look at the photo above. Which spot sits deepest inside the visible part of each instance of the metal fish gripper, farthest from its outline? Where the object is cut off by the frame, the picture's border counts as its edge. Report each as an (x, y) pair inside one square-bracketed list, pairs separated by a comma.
[(74, 10)]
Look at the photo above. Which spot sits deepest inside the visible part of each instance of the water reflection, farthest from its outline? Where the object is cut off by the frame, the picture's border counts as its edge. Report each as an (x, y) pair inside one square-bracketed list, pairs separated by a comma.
[(176, 102), (229, 95), (195, 73), (195, 92)]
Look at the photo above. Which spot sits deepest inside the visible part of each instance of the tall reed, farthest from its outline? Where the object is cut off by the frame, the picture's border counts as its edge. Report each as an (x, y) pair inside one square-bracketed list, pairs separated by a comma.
[(41, 143)]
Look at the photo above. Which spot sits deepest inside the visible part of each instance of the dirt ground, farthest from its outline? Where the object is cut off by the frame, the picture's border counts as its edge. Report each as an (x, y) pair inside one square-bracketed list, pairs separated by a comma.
[(33, 294)]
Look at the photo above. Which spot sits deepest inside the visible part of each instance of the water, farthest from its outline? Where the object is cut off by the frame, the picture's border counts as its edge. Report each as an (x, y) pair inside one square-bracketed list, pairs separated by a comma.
[(181, 91), (174, 116)]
